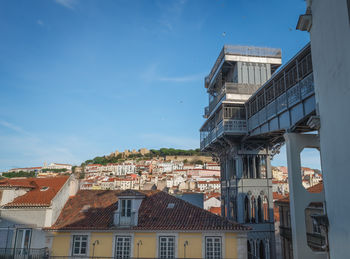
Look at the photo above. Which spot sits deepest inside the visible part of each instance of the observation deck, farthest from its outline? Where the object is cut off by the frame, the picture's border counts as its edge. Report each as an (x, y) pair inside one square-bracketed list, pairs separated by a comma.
[(250, 97)]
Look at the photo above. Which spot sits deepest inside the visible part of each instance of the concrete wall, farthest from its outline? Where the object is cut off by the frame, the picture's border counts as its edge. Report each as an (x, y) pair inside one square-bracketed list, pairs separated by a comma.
[(330, 41), (69, 188), (28, 216)]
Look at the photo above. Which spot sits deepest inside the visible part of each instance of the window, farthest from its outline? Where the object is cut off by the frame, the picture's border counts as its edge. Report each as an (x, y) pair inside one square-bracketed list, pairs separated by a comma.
[(126, 208), (261, 250), (260, 210), (246, 210), (167, 247), (23, 237), (122, 246), (80, 245), (253, 210), (266, 209), (213, 248), (315, 227)]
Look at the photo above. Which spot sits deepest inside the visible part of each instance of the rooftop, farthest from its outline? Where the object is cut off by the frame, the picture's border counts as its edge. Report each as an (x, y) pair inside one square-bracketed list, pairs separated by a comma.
[(41, 190), (183, 216)]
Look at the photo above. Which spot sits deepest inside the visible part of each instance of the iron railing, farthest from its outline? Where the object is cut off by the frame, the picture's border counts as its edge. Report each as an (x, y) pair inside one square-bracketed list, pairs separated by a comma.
[(228, 126), (97, 257), (316, 241), (286, 232), (295, 71), (124, 221), (241, 51), (25, 253), (231, 88)]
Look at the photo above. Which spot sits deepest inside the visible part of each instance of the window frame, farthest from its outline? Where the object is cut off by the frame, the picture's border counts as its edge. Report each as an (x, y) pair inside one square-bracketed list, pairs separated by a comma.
[(73, 244), (115, 255), (168, 235), (125, 210), (206, 247), (23, 240)]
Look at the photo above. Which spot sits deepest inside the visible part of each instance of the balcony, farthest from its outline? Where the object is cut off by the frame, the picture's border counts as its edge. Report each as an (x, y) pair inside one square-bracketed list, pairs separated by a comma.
[(286, 232), (316, 241), (206, 112), (25, 253), (230, 92), (125, 221), (242, 51), (226, 126)]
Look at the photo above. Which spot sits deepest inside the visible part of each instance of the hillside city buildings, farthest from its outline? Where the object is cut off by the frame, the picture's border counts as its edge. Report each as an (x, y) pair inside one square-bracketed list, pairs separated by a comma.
[(152, 208)]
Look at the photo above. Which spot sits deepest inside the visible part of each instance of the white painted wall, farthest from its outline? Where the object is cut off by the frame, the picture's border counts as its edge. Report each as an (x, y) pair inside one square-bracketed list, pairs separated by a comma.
[(10, 194), (69, 188), (212, 202), (330, 43)]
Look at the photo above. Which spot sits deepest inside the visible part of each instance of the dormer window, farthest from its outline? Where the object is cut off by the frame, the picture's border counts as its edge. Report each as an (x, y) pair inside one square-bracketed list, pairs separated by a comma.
[(126, 208), (129, 202)]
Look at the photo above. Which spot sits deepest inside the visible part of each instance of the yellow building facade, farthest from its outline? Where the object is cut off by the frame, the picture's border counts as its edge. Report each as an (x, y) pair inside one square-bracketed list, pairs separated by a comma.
[(147, 244), (148, 224)]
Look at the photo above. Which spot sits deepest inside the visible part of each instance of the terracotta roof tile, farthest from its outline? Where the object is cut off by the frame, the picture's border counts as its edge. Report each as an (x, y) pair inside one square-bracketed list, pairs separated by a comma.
[(314, 189), (37, 195), (215, 210), (154, 213)]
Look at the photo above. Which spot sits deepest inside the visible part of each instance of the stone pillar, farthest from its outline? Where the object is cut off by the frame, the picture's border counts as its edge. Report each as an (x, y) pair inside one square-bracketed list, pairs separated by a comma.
[(300, 198)]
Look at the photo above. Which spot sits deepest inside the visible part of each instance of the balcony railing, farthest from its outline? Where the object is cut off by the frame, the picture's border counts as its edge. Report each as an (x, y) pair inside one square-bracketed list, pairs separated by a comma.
[(99, 257), (125, 221), (286, 232), (231, 88), (316, 241), (206, 112), (240, 51), (226, 126), (25, 253)]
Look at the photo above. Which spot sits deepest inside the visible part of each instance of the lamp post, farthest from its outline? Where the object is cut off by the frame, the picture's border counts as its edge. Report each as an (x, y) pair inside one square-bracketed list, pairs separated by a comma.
[(185, 245), (138, 247), (96, 242)]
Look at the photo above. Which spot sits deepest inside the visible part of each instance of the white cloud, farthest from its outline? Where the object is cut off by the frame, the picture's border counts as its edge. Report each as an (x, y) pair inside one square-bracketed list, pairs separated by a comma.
[(40, 22), (13, 127), (70, 4)]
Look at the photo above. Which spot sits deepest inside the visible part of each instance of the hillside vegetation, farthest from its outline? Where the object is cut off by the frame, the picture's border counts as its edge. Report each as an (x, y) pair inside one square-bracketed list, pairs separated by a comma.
[(163, 152)]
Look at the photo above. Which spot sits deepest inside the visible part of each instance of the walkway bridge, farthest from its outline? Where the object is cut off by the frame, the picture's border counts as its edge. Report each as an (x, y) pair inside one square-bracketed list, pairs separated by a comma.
[(282, 104)]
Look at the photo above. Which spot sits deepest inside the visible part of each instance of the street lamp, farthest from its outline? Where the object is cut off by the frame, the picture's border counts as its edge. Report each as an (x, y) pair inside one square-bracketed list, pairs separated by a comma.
[(96, 242), (185, 245), (139, 243)]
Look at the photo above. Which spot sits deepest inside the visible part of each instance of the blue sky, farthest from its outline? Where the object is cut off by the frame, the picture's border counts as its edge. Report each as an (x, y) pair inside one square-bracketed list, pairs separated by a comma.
[(81, 78)]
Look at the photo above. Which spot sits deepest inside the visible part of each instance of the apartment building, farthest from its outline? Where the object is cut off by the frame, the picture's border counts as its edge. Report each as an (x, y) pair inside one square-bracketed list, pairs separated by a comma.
[(26, 206), (143, 224)]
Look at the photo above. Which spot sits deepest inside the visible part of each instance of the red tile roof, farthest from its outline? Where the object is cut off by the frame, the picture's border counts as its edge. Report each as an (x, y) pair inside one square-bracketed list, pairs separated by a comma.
[(36, 196), (215, 210), (153, 213), (313, 189)]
